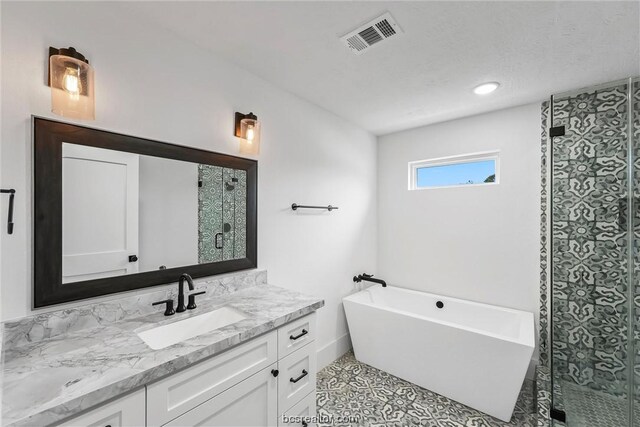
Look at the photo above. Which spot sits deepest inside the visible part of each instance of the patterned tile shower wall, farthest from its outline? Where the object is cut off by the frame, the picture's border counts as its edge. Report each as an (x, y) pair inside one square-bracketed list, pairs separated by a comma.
[(222, 213), (544, 243), (543, 377), (635, 94), (589, 251)]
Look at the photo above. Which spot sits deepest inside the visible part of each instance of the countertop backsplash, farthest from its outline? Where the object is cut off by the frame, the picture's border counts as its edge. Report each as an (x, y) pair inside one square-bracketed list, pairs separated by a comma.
[(42, 326)]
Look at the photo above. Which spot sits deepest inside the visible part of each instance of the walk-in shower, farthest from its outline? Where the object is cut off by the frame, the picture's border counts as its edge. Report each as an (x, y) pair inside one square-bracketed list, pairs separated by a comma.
[(593, 167), (222, 213)]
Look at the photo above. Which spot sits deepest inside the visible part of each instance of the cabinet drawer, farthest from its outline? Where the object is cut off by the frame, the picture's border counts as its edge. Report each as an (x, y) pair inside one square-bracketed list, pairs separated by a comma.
[(253, 402), (296, 334), (297, 376), (128, 411), (181, 392), (301, 413)]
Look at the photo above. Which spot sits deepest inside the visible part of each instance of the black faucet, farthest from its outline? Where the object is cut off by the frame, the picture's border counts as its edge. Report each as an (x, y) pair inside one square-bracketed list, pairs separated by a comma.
[(369, 278), (181, 306)]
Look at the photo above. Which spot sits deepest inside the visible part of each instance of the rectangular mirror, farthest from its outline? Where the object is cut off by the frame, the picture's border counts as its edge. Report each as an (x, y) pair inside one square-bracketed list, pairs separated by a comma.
[(115, 212)]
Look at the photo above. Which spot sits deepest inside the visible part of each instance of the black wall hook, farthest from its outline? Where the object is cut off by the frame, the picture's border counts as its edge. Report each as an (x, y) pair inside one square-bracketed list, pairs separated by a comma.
[(11, 192)]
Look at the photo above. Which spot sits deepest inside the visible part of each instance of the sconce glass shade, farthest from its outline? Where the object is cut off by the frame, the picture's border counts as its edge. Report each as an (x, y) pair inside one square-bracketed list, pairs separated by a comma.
[(71, 79), (248, 130)]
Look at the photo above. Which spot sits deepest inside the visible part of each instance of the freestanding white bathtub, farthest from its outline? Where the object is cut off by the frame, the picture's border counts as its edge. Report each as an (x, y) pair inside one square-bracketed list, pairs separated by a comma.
[(476, 354)]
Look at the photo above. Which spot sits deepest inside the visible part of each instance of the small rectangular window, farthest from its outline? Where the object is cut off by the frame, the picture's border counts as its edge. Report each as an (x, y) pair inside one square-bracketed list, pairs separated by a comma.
[(456, 171)]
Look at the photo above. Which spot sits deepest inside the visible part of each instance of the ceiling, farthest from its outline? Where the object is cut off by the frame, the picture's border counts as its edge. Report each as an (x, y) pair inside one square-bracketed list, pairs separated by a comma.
[(427, 75)]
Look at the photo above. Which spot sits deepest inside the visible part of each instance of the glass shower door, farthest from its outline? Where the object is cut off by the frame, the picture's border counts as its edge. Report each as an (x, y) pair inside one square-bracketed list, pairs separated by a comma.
[(222, 213), (591, 246)]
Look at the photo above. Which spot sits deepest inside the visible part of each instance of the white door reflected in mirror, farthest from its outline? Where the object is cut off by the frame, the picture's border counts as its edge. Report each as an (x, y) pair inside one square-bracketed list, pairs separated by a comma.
[(100, 199)]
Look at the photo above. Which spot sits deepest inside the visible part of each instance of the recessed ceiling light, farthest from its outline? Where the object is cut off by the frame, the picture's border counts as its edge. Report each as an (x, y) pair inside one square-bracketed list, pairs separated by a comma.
[(486, 88)]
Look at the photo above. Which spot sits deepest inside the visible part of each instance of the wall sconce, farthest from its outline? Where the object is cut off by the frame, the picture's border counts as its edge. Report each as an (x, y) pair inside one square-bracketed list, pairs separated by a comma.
[(247, 128), (71, 81)]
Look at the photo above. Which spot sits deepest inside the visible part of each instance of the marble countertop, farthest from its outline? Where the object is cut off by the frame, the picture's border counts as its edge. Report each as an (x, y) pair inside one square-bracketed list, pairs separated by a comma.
[(47, 381)]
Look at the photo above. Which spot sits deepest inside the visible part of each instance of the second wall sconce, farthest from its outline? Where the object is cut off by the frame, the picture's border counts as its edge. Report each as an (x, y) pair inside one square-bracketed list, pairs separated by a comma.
[(71, 79), (247, 128)]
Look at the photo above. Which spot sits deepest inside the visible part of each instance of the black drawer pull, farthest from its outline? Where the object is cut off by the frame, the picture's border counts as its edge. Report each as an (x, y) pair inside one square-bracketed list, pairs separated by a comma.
[(300, 335), (304, 374)]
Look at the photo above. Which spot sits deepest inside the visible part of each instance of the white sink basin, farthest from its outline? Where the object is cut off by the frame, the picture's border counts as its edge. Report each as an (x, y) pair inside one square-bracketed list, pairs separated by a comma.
[(173, 333)]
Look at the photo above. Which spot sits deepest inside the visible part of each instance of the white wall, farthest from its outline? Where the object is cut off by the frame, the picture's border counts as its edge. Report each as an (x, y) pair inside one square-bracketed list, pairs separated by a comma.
[(477, 243), (168, 213), (151, 84), (2, 205)]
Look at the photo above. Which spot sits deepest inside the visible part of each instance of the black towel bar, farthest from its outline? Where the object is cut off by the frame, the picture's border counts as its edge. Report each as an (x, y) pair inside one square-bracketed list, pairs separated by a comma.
[(296, 206)]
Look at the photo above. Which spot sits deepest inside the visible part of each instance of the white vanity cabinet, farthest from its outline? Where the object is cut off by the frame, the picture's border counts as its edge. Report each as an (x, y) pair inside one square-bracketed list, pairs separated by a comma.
[(252, 384), (305, 409), (297, 376), (127, 411), (252, 402), (296, 334), (170, 397), (297, 371)]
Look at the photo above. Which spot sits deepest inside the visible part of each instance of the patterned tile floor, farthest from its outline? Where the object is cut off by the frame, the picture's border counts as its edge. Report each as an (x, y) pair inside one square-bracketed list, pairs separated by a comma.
[(589, 408), (373, 398)]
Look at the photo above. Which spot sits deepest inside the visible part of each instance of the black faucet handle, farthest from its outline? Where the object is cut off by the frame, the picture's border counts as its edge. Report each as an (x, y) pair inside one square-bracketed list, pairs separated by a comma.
[(169, 311), (367, 276), (192, 300)]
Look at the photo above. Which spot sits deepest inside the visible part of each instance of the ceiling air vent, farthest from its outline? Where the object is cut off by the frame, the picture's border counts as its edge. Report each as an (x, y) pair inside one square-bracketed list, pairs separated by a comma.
[(371, 34)]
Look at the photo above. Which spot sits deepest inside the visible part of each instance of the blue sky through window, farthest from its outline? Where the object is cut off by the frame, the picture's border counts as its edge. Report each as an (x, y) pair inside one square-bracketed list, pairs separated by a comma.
[(455, 174)]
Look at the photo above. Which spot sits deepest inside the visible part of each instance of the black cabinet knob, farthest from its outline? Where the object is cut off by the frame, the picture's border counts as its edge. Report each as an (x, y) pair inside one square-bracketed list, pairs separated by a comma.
[(133, 258), (275, 372)]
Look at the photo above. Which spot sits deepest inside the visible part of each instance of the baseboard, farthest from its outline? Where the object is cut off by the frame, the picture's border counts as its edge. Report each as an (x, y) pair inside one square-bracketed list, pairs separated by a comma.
[(333, 351), (531, 371)]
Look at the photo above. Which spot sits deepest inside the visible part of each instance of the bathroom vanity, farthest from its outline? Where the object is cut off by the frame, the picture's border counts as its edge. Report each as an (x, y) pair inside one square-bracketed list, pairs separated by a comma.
[(251, 372), (250, 384), (116, 213)]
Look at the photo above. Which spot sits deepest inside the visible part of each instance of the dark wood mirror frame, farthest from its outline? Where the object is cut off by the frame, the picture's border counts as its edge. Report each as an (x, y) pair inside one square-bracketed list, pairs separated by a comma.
[(48, 137)]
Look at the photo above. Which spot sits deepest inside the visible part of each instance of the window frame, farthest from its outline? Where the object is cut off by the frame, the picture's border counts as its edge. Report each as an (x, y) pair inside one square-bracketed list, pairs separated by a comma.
[(414, 166)]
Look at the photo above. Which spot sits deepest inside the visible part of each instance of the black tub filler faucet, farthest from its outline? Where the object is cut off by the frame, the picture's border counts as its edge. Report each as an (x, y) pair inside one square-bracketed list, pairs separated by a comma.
[(369, 278)]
